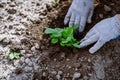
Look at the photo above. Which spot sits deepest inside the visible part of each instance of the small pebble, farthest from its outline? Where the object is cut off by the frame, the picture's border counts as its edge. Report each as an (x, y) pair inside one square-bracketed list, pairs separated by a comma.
[(27, 60), (62, 55), (58, 77), (36, 67), (54, 72), (28, 69), (22, 59), (29, 55), (68, 59), (60, 72), (101, 16), (76, 75), (107, 8), (22, 51), (37, 46), (33, 48)]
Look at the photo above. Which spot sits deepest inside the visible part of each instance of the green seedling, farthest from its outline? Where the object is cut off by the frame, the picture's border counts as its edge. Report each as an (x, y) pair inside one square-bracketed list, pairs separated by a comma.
[(64, 36), (55, 3), (13, 54)]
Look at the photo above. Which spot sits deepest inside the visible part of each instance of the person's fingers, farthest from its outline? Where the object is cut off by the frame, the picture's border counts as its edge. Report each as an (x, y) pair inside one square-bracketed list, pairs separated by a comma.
[(97, 46), (89, 34), (82, 23), (67, 17), (77, 20), (72, 20), (89, 41), (89, 19)]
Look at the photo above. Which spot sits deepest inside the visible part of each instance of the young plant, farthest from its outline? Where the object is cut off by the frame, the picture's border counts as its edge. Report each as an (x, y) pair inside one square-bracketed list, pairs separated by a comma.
[(13, 54), (64, 36), (55, 3)]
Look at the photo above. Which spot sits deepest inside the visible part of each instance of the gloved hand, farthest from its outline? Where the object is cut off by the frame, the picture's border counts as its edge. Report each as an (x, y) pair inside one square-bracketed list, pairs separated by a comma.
[(79, 12), (104, 31)]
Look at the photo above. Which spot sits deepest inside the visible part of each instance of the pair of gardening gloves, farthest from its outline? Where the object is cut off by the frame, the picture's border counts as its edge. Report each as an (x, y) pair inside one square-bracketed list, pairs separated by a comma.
[(80, 13)]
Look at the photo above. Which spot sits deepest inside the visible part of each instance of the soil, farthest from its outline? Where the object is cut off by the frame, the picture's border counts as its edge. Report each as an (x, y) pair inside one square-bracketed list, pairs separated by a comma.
[(101, 65), (40, 60)]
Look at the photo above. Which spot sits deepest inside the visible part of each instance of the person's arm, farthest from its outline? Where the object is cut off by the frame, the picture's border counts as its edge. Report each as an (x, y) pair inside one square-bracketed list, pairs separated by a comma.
[(79, 13), (104, 31), (119, 17)]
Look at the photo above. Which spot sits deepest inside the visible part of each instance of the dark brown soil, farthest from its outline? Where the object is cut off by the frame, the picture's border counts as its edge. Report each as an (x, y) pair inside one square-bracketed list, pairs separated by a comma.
[(70, 60)]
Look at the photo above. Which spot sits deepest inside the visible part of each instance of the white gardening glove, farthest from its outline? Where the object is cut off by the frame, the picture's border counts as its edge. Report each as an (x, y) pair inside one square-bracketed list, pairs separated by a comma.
[(104, 31), (79, 13)]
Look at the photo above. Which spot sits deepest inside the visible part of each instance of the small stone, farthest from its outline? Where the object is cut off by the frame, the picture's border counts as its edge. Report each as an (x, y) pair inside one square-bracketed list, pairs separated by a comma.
[(68, 74), (29, 55), (45, 74), (17, 64), (27, 60), (28, 69), (89, 60), (101, 15), (22, 51), (22, 59), (37, 46), (89, 74), (6, 41), (54, 72), (58, 77), (30, 64), (68, 59), (63, 55), (107, 8), (33, 48), (76, 75), (36, 67), (60, 72), (69, 67), (77, 65), (76, 69), (55, 59)]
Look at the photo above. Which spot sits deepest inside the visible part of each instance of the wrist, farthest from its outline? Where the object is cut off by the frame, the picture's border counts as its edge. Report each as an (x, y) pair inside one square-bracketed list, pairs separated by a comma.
[(116, 20), (119, 16)]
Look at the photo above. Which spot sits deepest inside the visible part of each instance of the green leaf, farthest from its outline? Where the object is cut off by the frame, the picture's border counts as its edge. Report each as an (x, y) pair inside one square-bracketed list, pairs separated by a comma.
[(16, 55), (62, 44), (56, 35), (76, 45), (75, 27), (69, 44), (66, 40), (50, 30), (11, 56), (63, 36), (54, 40), (68, 32)]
